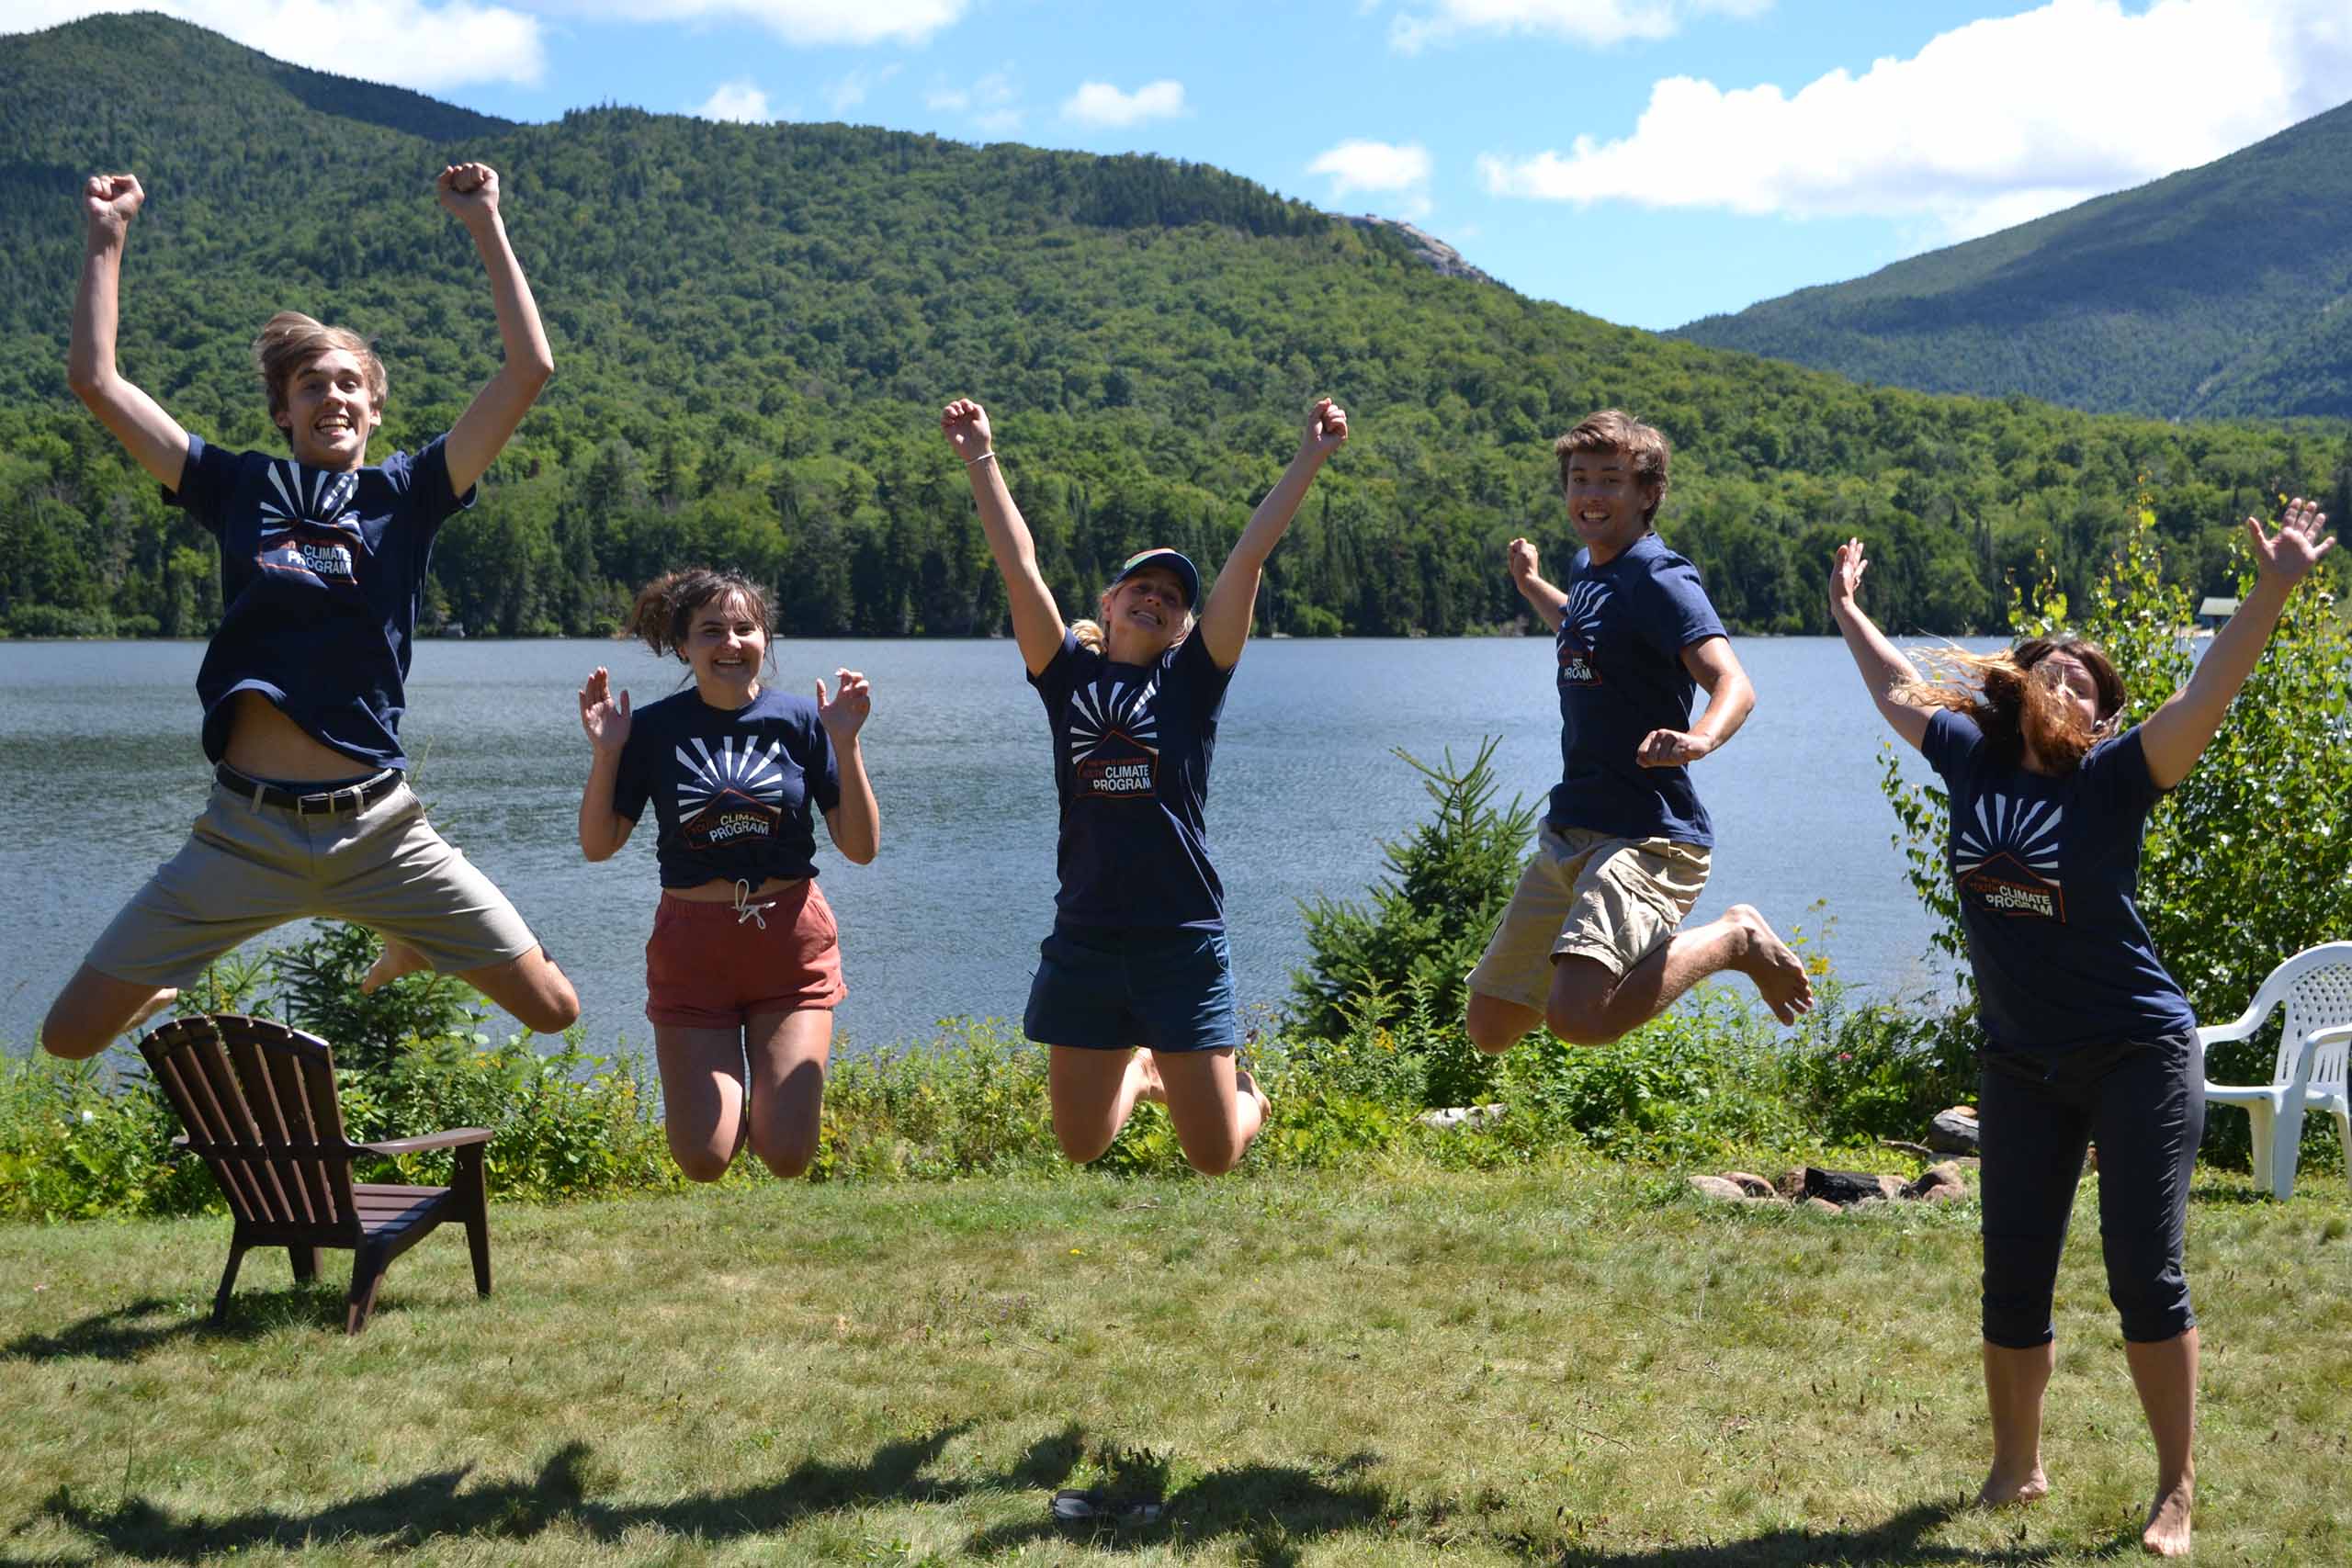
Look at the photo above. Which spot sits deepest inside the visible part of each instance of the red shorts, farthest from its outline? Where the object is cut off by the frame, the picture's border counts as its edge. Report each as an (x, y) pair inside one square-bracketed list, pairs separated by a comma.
[(704, 968)]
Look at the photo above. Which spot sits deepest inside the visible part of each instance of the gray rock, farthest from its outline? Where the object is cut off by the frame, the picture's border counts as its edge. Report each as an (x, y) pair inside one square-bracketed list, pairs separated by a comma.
[(1944, 1177), (1953, 1132), (1717, 1187), (1427, 248)]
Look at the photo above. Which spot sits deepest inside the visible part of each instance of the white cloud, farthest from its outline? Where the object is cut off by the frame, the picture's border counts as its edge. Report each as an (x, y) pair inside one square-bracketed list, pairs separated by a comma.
[(1099, 103), (1989, 125), (992, 103), (738, 100), (1596, 22), (410, 43), (852, 89), (797, 21), (1358, 165)]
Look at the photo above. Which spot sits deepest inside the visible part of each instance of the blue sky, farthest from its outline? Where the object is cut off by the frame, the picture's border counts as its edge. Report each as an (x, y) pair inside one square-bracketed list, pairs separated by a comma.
[(1648, 161)]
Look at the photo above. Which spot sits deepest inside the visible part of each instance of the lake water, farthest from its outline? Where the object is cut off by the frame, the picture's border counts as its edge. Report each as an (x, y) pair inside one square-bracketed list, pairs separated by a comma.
[(99, 757)]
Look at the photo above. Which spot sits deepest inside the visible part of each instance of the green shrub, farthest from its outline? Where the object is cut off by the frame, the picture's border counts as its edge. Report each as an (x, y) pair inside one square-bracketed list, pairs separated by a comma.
[(76, 1140), (1431, 916)]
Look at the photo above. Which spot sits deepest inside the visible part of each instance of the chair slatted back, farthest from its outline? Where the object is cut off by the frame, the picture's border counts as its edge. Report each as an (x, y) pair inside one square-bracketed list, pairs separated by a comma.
[(2319, 997), (259, 1103)]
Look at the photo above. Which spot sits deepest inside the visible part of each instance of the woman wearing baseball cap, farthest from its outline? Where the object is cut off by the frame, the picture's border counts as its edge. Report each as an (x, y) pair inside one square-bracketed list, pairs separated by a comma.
[(1134, 989)]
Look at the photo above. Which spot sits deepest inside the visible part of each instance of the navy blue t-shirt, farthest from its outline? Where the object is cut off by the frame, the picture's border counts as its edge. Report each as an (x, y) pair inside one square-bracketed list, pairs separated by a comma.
[(1131, 764), (321, 575), (2047, 871), (731, 787), (1620, 645)]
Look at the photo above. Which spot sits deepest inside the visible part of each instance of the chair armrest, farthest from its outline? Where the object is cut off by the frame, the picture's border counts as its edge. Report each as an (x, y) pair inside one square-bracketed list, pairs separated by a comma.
[(2299, 1080), (2245, 1023), (457, 1137)]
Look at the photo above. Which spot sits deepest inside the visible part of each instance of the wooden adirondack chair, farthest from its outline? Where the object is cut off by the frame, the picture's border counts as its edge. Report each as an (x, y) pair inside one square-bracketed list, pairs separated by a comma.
[(259, 1104)]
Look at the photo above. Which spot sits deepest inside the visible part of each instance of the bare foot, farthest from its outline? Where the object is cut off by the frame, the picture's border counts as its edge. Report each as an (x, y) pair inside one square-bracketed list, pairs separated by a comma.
[(2167, 1534), (1145, 1067), (397, 959), (149, 1008), (1247, 1084), (1778, 972), (2001, 1489)]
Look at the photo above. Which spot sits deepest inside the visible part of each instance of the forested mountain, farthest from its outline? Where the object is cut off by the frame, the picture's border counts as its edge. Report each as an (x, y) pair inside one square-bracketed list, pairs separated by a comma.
[(754, 327), (2223, 291)]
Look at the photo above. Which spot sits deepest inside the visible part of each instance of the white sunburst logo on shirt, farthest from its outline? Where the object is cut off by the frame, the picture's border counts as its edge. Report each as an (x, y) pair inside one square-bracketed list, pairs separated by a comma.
[(299, 494), (1579, 632), (711, 777), (2007, 857), (1128, 711), (1581, 614)]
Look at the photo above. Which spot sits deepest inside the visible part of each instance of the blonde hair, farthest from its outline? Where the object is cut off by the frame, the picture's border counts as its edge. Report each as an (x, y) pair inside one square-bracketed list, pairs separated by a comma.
[(1613, 430), (290, 340), (1092, 637), (2013, 708)]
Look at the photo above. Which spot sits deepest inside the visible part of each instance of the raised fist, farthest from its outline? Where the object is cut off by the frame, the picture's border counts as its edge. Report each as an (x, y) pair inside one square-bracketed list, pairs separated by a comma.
[(468, 190), (965, 426), (1326, 427), (110, 201)]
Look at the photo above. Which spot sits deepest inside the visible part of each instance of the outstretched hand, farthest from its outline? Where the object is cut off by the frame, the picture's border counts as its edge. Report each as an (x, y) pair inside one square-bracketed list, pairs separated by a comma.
[(470, 191), (845, 710), (1523, 560), (2291, 553), (1846, 573), (1327, 428), (1671, 748), (110, 201), (602, 714), (965, 426)]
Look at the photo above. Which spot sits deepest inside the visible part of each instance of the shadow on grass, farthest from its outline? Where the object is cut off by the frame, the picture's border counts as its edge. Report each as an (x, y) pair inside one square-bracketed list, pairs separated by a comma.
[(1897, 1543), (1269, 1506), (138, 1328), (1271, 1510), (440, 1505)]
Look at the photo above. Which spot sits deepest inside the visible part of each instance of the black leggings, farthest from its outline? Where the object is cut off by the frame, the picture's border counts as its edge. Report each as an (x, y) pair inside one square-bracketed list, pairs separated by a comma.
[(2143, 1103)]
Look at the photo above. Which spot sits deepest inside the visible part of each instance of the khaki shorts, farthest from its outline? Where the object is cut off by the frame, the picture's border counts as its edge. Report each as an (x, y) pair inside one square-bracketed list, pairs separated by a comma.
[(248, 868), (1586, 895)]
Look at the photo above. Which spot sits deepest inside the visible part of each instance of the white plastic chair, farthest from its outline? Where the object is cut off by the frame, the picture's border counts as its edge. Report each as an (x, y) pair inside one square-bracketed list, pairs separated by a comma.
[(2316, 986)]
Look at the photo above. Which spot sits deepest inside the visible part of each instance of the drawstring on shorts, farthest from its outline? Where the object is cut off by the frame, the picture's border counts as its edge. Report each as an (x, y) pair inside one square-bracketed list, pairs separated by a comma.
[(747, 910)]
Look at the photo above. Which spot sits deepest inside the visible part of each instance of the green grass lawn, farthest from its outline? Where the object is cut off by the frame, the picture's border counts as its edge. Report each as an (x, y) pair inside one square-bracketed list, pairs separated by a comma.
[(1578, 1365)]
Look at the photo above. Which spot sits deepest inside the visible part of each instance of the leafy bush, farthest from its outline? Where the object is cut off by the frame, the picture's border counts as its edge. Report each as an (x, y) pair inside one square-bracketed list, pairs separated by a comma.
[(2249, 860), (1431, 916), (318, 991), (77, 1142)]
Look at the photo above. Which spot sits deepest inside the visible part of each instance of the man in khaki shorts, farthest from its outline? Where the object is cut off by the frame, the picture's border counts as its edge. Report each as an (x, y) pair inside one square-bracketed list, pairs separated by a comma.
[(1590, 944), (324, 558)]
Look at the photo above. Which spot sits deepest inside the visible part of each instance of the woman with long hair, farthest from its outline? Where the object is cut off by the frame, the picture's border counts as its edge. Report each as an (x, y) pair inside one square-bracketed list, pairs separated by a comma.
[(2087, 1037), (1133, 992)]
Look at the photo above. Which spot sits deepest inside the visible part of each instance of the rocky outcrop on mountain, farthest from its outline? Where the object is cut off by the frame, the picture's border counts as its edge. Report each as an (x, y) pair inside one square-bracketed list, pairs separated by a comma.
[(1440, 257)]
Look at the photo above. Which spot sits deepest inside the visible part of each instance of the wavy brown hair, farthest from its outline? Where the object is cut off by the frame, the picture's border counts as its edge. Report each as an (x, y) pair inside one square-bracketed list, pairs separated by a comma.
[(2012, 705), (1613, 430), (664, 610), (290, 340)]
